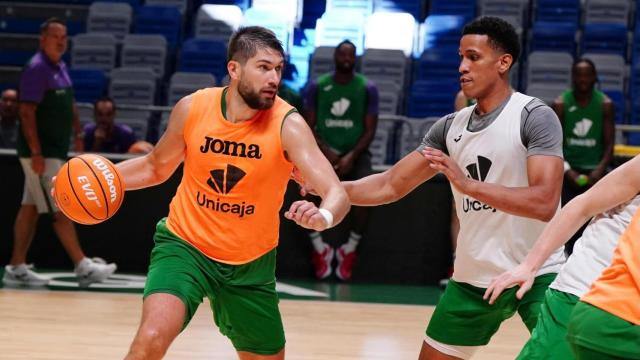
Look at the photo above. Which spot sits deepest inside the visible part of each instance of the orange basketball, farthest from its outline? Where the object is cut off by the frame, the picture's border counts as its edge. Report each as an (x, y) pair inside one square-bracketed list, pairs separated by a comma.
[(88, 189)]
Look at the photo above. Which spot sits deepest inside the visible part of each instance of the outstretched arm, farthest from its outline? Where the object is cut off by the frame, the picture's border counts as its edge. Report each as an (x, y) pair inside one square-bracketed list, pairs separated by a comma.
[(301, 148), (617, 187), (391, 185), (157, 166)]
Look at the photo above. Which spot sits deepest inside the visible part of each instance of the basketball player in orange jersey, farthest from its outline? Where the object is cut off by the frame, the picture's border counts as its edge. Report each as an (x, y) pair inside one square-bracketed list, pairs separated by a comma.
[(239, 145)]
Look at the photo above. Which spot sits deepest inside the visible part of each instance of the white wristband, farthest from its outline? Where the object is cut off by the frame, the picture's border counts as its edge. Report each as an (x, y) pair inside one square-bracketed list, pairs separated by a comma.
[(567, 167), (327, 215)]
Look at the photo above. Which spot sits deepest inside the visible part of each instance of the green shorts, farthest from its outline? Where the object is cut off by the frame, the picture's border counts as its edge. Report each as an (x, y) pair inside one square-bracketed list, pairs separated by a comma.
[(549, 338), (243, 297), (463, 317), (597, 334)]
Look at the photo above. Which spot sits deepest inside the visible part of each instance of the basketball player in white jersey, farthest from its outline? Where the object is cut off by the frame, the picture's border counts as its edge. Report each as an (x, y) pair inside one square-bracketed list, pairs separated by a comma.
[(503, 158), (613, 201)]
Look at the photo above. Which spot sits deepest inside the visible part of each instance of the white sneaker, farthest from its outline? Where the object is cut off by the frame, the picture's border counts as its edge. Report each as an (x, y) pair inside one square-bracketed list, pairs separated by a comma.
[(93, 270), (22, 275)]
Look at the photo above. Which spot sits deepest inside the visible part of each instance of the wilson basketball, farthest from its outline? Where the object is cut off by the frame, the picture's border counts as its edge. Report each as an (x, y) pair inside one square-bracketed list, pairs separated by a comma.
[(88, 189)]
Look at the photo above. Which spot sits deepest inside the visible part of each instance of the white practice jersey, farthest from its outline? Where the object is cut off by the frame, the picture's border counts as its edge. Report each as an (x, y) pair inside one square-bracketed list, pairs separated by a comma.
[(594, 250), (491, 241)]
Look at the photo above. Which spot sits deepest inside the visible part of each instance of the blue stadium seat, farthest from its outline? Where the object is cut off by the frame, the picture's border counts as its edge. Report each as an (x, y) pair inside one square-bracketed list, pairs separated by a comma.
[(243, 4), (634, 93), (277, 21), (619, 105), (337, 25), (605, 38), (163, 20), (565, 11), (26, 17), (9, 77), (441, 31), (442, 63), (364, 7), (17, 49), (634, 80), (553, 36), (88, 84), (135, 4), (413, 7), (312, 10), (464, 8), (431, 98), (202, 55)]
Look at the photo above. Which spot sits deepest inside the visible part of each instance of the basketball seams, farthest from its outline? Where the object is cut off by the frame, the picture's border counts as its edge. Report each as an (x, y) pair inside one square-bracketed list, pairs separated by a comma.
[(104, 194), (75, 194)]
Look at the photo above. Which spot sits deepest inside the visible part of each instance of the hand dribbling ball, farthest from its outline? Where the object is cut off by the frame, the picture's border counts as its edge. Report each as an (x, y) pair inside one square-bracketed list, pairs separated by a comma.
[(88, 189)]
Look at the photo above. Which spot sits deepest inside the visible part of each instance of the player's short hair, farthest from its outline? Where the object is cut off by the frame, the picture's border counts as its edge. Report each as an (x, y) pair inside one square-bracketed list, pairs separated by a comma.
[(52, 20), (502, 35), (245, 43), (584, 60), (104, 99), (345, 42)]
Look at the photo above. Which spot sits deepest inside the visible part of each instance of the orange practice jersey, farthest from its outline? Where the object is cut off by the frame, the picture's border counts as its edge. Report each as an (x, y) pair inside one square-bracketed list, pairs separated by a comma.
[(233, 183), (617, 290)]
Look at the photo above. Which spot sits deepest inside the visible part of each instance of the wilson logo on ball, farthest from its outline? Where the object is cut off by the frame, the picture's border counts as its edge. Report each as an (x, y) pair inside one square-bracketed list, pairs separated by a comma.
[(108, 177), (88, 189)]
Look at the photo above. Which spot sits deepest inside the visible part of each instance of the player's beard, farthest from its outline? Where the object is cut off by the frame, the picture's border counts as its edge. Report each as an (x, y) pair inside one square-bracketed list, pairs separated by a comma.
[(253, 99)]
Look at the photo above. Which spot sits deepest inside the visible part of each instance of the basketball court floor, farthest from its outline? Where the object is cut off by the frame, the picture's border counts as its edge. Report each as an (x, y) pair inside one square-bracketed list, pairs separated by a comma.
[(322, 321)]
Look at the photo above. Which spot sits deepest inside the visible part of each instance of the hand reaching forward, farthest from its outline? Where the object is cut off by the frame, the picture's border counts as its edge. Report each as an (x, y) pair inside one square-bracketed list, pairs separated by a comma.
[(443, 163), (520, 275), (307, 215)]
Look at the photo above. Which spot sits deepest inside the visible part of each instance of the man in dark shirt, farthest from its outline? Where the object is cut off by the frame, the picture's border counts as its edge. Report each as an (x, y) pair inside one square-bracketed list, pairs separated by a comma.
[(107, 136)]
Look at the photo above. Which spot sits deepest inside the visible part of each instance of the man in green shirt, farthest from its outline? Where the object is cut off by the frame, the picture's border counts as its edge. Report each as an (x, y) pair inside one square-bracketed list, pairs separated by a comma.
[(586, 114), (342, 109)]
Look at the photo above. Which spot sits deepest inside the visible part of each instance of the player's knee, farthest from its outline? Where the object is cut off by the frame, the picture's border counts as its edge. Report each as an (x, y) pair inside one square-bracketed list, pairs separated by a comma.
[(151, 342)]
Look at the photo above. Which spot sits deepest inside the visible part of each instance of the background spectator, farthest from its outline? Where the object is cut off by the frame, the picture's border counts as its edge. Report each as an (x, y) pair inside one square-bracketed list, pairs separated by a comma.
[(109, 137), (8, 118), (342, 109), (586, 114), (47, 114)]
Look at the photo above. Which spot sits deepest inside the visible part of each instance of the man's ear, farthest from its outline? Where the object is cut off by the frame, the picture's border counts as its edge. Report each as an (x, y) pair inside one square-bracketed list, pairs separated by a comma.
[(505, 62), (234, 69)]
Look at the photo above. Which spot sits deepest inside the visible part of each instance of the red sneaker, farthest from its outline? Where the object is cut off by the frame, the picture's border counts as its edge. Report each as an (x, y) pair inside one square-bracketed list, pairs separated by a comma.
[(345, 264), (322, 262)]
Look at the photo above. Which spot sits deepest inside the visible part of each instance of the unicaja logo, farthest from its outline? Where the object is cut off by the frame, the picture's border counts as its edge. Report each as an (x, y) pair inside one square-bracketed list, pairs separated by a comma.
[(582, 127), (222, 181), (477, 171), (340, 107)]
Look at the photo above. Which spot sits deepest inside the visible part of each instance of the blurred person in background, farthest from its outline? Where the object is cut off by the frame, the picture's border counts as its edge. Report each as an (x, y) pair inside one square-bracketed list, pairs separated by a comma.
[(586, 114), (107, 136), (8, 118)]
